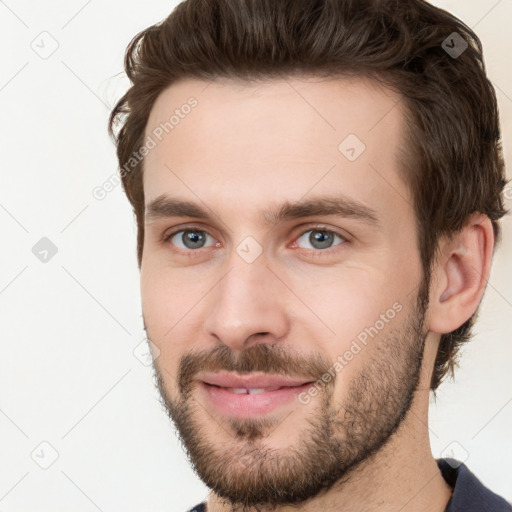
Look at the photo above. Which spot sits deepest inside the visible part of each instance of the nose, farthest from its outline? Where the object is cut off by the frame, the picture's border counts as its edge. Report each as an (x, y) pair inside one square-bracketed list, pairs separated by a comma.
[(247, 306)]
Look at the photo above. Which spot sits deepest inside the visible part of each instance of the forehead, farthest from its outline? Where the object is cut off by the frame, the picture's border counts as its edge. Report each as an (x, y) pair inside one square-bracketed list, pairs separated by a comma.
[(231, 143)]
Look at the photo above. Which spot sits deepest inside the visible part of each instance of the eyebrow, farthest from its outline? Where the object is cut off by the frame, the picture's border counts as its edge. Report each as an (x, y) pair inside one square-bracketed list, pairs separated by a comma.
[(167, 207)]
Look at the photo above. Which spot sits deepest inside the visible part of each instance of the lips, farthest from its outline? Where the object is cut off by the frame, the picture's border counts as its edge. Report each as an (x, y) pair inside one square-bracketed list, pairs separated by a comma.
[(250, 395)]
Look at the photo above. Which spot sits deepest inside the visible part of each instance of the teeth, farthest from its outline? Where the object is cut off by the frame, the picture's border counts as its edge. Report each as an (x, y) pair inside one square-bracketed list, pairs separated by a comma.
[(255, 391), (238, 391), (251, 391)]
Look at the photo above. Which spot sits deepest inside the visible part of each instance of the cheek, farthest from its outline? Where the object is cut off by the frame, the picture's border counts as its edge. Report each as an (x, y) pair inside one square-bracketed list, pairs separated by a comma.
[(162, 304), (351, 312), (171, 304), (344, 300), (155, 297), (167, 295), (158, 304)]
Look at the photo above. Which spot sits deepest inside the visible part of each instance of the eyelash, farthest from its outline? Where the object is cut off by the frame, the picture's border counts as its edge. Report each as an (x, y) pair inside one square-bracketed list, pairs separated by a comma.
[(314, 252)]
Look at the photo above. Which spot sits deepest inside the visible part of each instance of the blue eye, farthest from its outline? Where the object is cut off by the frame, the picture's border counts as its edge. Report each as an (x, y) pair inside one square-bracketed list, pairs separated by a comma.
[(320, 238), (189, 238)]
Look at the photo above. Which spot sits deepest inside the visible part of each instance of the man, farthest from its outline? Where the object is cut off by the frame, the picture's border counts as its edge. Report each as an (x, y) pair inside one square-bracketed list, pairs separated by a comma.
[(317, 187)]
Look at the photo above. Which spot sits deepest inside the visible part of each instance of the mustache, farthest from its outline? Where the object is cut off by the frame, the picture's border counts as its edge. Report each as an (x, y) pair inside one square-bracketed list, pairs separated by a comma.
[(272, 359)]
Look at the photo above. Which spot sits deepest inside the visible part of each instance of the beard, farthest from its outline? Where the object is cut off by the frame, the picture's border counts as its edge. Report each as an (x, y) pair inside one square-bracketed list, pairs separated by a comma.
[(335, 438)]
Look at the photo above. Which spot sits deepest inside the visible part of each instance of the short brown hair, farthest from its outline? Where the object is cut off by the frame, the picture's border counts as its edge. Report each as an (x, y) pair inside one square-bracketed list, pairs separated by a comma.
[(453, 162)]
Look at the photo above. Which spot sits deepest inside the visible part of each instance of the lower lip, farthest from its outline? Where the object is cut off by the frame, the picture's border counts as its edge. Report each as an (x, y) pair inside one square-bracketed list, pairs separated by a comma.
[(248, 406)]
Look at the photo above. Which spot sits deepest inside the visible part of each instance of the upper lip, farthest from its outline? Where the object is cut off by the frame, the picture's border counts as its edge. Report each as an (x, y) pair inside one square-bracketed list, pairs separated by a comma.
[(229, 380)]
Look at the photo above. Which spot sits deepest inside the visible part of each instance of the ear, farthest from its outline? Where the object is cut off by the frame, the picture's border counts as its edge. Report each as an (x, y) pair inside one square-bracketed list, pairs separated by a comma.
[(460, 275)]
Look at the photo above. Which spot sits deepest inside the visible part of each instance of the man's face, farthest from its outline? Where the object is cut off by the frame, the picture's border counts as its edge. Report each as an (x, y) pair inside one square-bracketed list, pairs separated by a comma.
[(315, 311)]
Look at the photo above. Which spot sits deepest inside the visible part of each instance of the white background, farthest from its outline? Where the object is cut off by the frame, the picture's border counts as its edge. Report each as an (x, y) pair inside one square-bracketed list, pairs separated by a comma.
[(68, 374)]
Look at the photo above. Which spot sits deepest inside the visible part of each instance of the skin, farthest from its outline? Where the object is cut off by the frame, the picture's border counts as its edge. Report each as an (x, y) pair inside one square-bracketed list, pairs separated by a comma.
[(244, 149)]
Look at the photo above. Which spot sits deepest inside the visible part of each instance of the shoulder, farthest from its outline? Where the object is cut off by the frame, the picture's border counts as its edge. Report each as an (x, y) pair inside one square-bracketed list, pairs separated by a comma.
[(469, 494)]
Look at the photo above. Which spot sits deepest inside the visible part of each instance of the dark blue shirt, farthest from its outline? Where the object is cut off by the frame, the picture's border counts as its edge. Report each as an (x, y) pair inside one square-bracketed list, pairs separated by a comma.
[(469, 494)]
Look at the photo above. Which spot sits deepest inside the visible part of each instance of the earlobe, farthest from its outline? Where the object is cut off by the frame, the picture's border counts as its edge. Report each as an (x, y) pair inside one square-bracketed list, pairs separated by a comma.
[(461, 275)]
